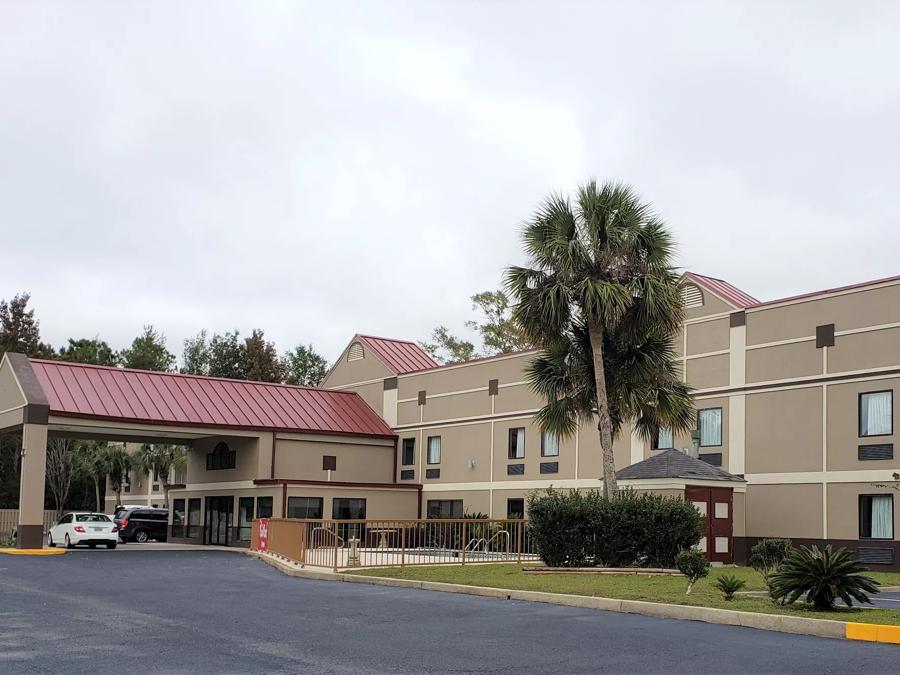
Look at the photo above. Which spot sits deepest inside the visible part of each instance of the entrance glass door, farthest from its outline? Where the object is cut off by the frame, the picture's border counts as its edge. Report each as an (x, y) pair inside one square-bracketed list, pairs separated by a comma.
[(217, 530)]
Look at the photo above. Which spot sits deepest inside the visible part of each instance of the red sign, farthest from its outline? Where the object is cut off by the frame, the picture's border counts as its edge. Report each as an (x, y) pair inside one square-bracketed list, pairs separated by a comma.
[(263, 541)]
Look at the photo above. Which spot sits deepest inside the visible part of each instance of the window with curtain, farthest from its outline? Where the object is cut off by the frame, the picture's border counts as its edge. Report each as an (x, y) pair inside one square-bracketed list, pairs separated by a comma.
[(876, 413), (517, 443), (876, 516), (549, 444), (665, 439), (434, 449), (710, 423)]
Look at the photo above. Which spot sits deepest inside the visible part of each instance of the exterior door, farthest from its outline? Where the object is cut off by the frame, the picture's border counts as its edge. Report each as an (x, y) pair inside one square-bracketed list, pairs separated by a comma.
[(217, 530), (715, 504)]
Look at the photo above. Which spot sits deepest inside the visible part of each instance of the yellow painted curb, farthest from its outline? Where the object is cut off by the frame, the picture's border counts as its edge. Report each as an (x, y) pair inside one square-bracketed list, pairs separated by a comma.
[(873, 632), (33, 551)]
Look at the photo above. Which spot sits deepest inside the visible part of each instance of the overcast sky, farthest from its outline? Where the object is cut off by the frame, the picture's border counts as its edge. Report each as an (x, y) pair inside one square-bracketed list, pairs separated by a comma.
[(318, 170)]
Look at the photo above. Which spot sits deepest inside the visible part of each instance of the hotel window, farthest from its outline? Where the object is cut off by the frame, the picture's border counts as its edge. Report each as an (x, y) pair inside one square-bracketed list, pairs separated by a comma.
[(434, 450), (245, 518), (445, 508), (305, 507), (193, 518), (549, 444), (876, 516), (178, 518), (409, 451), (664, 440), (515, 509), (220, 458), (876, 413), (263, 507), (710, 423), (517, 443)]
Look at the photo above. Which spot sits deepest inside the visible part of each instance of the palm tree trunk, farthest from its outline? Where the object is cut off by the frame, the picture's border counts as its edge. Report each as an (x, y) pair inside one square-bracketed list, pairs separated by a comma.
[(97, 492), (604, 426)]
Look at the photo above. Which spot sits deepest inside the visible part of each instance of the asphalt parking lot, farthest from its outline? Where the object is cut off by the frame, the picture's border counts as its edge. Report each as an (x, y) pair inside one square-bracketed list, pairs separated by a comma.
[(216, 612)]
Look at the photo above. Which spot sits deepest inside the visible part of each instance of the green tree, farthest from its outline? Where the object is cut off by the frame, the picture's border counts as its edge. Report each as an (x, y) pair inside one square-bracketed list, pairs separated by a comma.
[(88, 350), (148, 352), (601, 301), (61, 470), (90, 463), (19, 330), (161, 461), (117, 462), (304, 366), (499, 332), (261, 362), (196, 356), (447, 348), (226, 356)]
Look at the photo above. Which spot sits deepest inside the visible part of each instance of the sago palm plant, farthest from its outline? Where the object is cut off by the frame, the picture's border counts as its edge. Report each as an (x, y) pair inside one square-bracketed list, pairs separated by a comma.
[(822, 576), (601, 301)]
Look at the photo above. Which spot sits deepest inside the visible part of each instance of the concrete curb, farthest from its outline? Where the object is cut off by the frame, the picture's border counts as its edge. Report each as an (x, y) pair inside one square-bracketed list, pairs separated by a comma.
[(32, 551), (773, 622)]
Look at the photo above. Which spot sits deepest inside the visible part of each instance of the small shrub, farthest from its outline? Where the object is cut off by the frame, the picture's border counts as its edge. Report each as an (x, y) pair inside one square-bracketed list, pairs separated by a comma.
[(729, 585), (822, 576), (766, 556), (692, 564)]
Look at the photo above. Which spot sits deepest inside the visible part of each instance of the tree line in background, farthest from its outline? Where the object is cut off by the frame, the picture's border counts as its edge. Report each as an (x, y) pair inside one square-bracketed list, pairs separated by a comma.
[(77, 470), (216, 355)]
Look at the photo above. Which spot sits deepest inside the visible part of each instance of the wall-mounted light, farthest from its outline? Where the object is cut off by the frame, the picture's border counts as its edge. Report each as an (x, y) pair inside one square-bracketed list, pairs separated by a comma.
[(471, 463)]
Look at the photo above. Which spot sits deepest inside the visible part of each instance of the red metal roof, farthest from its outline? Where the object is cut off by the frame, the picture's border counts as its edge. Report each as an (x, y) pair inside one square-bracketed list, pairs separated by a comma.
[(81, 390), (401, 356), (724, 290)]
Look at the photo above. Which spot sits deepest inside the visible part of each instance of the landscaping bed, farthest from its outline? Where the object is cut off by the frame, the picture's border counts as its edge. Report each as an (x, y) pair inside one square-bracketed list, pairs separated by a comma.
[(665, 589), (640, 571)]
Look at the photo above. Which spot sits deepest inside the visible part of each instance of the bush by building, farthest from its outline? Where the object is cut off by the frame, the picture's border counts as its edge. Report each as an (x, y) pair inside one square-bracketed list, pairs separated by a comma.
[(575, 529)]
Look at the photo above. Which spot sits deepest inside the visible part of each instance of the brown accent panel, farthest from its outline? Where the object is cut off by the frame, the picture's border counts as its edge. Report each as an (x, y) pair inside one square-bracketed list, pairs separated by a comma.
[(37, 409), (422, 396), (493, 387), (390, 383), (737, 319), (825, 336), (329, 463), (30, 536)]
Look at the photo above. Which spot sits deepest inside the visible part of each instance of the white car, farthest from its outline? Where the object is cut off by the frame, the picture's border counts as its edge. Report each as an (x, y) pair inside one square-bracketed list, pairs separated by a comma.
[(84, 528)]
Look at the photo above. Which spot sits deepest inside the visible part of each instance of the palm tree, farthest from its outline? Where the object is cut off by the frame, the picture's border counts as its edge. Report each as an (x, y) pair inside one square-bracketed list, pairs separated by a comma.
[(601, 301), (161, 460), (117, 462), (89, 462)]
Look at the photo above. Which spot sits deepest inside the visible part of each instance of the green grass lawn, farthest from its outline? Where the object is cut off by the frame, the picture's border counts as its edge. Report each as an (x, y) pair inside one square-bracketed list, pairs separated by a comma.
[(633, 587)]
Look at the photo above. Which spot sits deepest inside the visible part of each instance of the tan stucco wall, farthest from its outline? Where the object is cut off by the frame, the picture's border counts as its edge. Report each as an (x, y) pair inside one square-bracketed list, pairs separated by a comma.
[(784, 431), (459, 444), (784, 510), (246, 460), (533, 458), (590, 460), (739, 507), (708, 372), (10, 395), (868, 307), (348, 372), (708, 336), (473, 375), (358, 460), (875, 349), (843, 426), (784, 361), (843, 508), (711, 305), (457, 406), (516, 399), (373, 394)]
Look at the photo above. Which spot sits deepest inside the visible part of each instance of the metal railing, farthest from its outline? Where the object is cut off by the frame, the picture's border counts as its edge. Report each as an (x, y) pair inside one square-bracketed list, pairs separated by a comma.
[(339, 544)]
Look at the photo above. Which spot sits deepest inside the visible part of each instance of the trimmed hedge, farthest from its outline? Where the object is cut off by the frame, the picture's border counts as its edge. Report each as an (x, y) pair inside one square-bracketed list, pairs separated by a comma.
[(577, 529)]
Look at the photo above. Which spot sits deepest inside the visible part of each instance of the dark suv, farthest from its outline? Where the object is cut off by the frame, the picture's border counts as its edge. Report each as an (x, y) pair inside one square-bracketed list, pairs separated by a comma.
[(142, 523)]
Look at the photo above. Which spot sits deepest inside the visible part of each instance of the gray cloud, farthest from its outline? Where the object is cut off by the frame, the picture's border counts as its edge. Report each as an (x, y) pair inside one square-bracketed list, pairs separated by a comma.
[(318, 170)]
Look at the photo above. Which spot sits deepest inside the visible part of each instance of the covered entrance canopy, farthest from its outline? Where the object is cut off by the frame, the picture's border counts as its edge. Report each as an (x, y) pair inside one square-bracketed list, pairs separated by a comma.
[(49, 398)]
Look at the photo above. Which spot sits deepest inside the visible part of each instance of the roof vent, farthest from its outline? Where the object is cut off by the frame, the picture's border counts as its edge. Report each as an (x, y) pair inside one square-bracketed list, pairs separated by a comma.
[(356, 352), (691, 296)]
